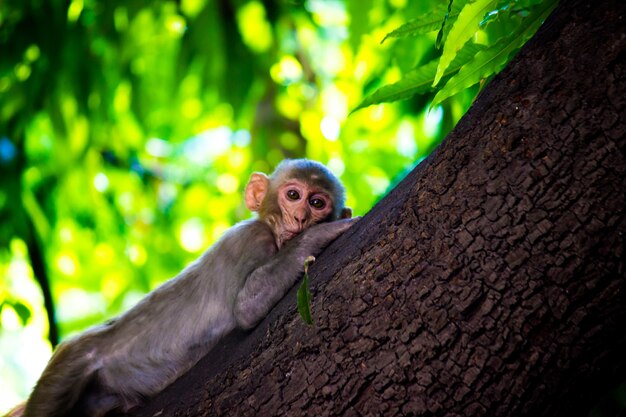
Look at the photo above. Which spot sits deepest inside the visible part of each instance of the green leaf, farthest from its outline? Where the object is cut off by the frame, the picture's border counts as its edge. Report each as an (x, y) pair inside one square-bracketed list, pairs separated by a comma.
[(304, 294), (419, 26), (428, 22), (491, 60), (517, 4), (463, 29), (443, 26), (23, 312), (418, 81)]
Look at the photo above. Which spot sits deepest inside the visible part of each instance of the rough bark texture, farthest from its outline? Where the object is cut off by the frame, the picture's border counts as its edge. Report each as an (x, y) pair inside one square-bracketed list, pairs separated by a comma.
[(490, 282)]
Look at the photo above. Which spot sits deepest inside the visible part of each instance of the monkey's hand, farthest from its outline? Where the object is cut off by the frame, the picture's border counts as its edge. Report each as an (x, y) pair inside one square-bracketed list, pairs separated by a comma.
[(313, 240), (267, 284)]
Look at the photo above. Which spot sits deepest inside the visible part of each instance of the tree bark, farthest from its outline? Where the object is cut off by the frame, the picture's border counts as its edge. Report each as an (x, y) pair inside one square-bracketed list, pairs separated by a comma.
[(490, 282)]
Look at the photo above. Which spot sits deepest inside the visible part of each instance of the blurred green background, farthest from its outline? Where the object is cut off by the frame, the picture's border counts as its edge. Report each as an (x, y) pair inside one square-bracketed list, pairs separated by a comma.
[(128, 130)]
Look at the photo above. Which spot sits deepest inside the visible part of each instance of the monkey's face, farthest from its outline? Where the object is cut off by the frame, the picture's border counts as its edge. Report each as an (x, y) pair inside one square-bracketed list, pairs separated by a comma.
[(298, 194), (302, 205)]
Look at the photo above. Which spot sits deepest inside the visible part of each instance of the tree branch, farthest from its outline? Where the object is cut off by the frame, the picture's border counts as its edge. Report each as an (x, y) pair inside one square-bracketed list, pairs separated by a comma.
[(490, 282), (41, 275)]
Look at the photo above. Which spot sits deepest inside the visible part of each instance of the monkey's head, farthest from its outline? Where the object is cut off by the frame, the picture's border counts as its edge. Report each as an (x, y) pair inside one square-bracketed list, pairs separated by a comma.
[(298, 194)]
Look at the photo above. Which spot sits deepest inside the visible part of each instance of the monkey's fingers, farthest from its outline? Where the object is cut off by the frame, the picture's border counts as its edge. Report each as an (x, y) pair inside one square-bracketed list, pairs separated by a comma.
[(342, 225), (351, 220)]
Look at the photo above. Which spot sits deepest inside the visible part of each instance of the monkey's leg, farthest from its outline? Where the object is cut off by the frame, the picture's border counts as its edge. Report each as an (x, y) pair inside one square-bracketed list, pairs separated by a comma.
[(269, 283)]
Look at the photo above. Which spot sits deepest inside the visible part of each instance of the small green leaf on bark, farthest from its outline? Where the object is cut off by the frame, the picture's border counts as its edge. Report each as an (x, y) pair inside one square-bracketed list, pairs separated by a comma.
[(304, 294)]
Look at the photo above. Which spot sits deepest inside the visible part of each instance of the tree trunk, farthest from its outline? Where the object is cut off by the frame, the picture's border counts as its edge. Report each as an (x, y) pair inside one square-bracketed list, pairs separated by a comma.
[(490, 282)]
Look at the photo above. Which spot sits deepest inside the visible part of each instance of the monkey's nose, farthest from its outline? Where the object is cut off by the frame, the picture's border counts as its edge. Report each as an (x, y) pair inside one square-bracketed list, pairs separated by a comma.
[(300, 217)]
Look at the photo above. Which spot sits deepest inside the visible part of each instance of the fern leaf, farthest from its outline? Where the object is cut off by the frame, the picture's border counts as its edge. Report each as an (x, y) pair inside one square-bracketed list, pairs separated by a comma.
[(443, 26), (491, 60), (419, 26), (463, 29), (414, 82), (428, 22), (418, 81)]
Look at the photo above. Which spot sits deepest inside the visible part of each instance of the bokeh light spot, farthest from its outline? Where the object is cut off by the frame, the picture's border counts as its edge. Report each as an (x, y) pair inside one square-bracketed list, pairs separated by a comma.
[(192, 8), (432, 121), (254, 27), (32, 53), (158, 147), (227, 183), (191, 235), (330, 128), (74, 11), (176, 25), (22, 71), (101, 182), (137, 254), (66, 263), (287, 70)]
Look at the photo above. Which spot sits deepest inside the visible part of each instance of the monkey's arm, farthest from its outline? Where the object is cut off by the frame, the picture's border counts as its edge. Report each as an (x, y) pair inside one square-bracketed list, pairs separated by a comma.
[(267, 284)]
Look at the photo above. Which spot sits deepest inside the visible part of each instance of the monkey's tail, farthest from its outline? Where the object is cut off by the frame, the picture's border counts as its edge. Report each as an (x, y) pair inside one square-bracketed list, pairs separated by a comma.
[(59, 388)]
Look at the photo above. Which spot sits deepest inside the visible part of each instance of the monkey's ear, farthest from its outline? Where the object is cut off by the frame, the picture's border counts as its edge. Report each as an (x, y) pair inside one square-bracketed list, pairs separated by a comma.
[(346, 213), (256, 189)]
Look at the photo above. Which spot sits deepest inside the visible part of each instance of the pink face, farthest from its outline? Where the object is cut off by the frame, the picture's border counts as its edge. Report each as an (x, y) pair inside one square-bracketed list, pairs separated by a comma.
[(302, 206)]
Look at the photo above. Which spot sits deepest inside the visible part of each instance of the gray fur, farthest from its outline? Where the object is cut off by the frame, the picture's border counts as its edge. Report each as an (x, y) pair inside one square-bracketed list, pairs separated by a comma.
[(234, 284)]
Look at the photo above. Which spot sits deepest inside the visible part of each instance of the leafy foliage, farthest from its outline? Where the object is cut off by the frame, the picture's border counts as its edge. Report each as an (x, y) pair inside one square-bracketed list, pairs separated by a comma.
[(482, 37), (461, 32), (428, 22), (492, 59), (420, 80)]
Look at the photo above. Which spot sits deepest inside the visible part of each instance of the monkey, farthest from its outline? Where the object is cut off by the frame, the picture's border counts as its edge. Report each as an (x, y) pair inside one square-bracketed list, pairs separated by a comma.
[(234, 284)]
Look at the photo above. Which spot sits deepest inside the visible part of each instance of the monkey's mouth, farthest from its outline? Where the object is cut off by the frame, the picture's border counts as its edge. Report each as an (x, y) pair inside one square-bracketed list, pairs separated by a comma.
[(289, 234)]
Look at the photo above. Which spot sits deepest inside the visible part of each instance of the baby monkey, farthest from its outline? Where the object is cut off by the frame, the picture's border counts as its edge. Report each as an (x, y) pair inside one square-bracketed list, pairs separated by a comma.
[(235, 283)]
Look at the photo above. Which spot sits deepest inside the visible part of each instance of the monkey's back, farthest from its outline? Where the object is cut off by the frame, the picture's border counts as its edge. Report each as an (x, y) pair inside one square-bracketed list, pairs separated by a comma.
[(140, 358)]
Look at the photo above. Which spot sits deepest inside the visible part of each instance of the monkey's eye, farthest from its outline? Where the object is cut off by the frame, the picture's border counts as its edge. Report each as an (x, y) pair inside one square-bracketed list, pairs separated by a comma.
[(318, 203), (293, 195)]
